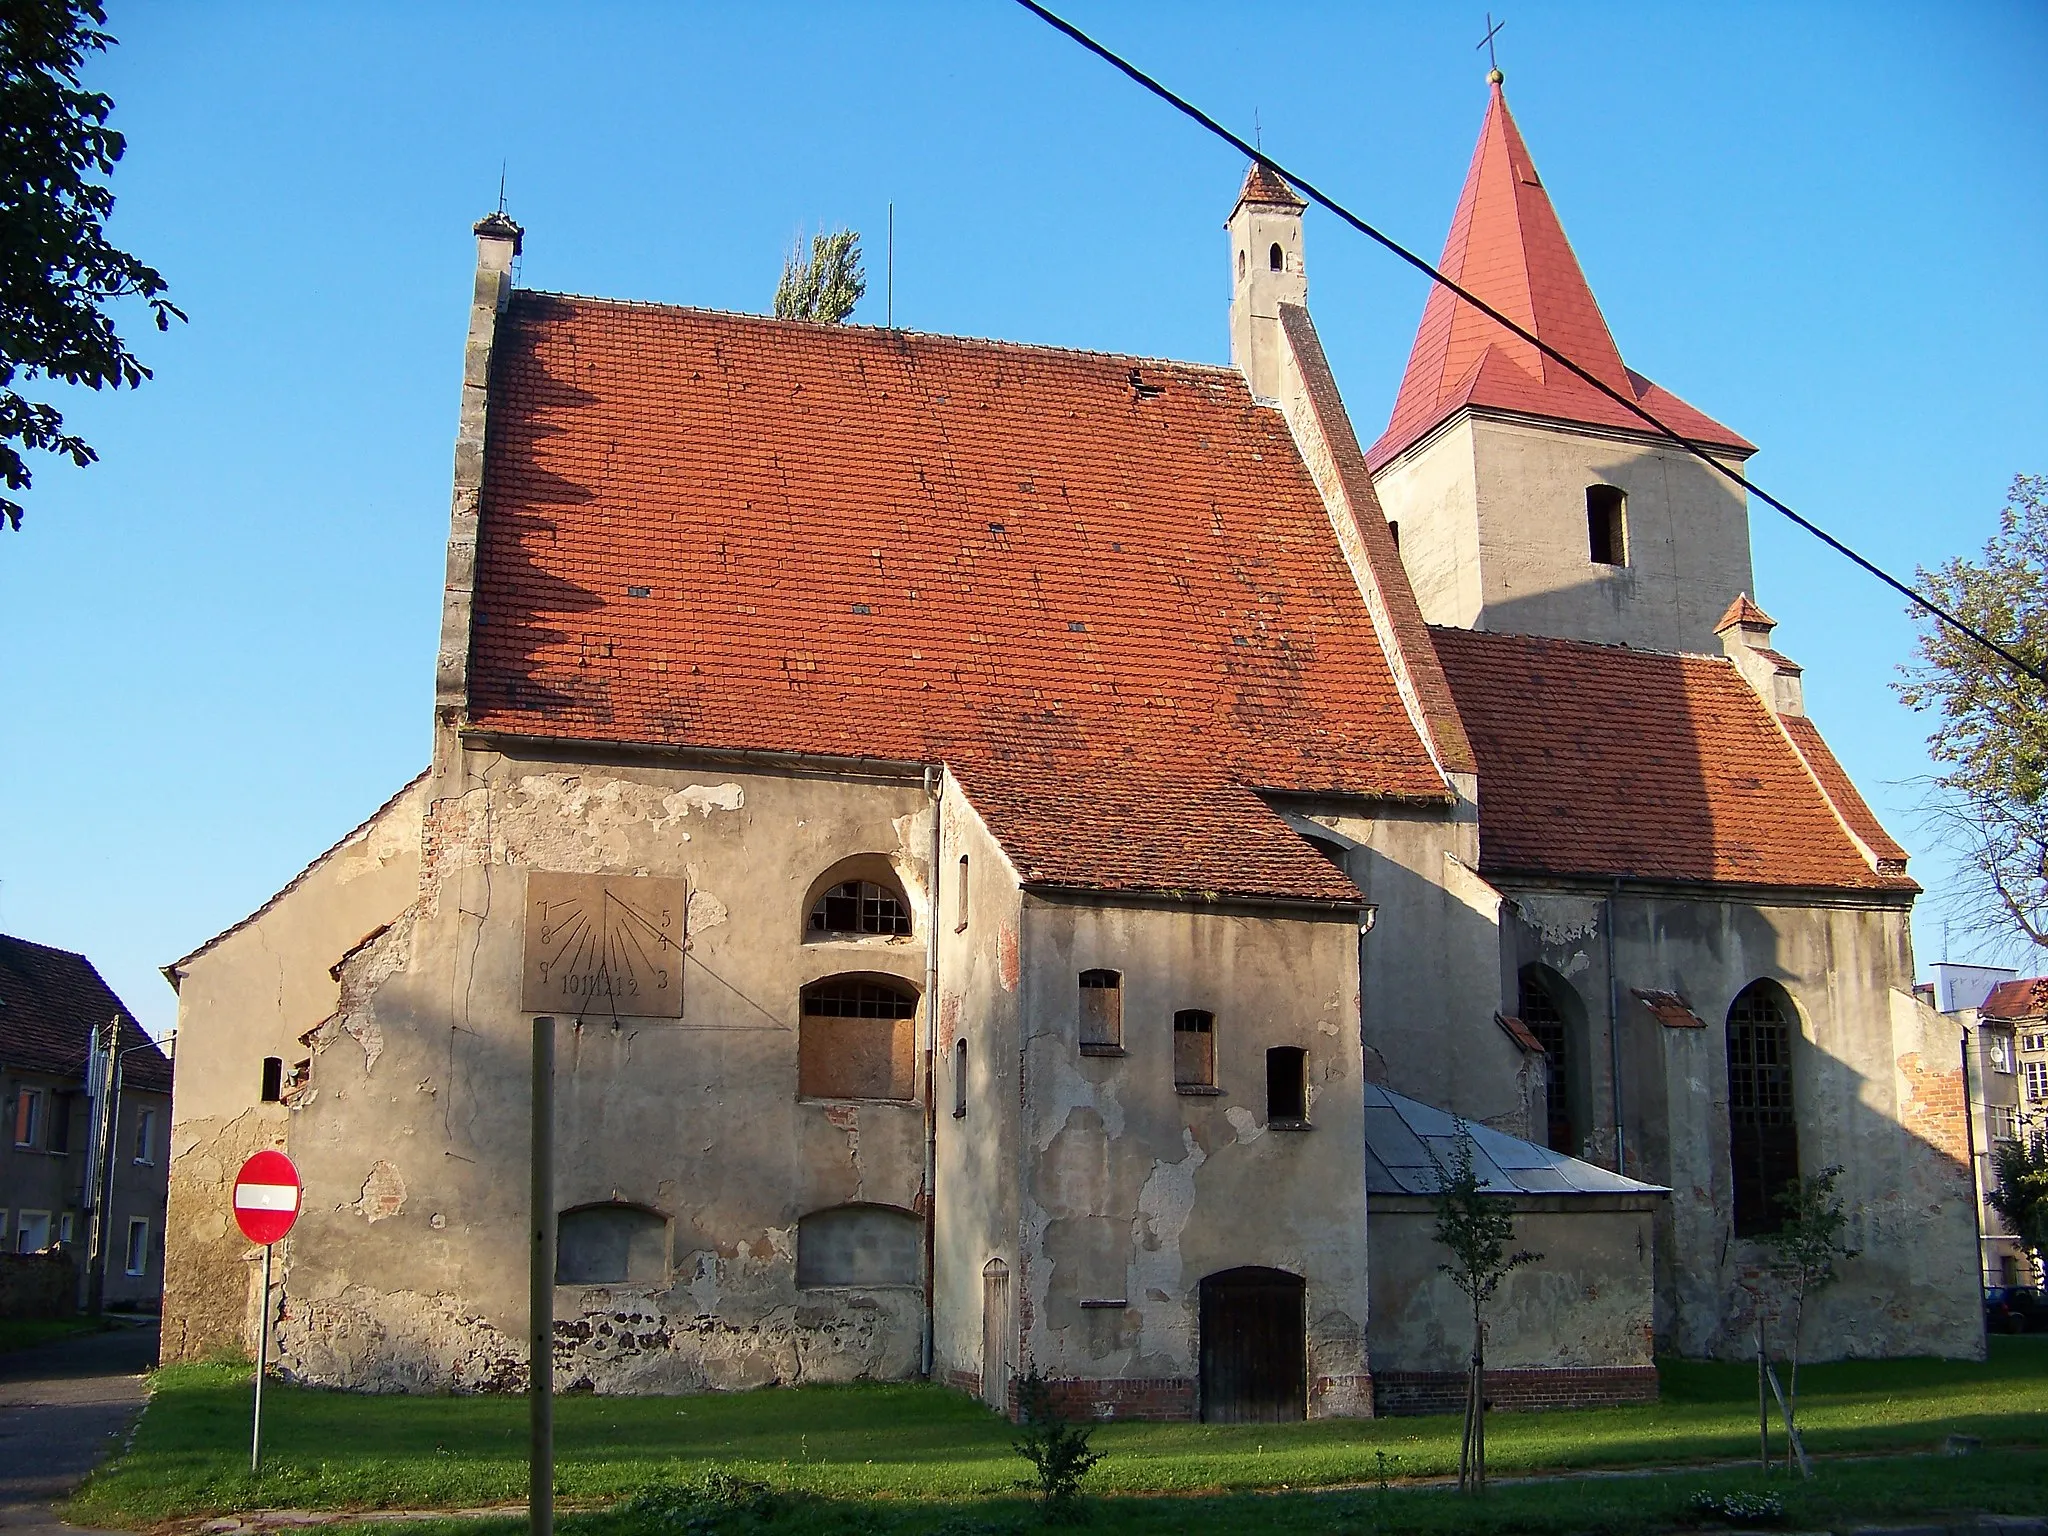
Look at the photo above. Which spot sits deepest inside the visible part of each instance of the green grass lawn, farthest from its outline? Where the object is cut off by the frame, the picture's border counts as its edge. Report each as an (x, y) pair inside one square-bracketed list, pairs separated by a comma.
[(925, 1451), (27, 1332)]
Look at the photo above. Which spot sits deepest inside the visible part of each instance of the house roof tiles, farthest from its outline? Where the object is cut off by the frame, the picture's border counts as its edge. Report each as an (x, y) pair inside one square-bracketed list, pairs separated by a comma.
[(51, 1001), (2026, 998), (1598, 760), (1104, 589), (1263, 184)]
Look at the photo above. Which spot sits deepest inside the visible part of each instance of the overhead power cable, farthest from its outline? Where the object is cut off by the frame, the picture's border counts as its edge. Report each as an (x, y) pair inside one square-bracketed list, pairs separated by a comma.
[(2037, 671)]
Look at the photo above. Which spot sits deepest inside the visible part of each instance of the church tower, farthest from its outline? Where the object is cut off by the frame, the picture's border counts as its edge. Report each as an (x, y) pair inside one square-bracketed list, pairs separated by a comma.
[(1265, 260), (1524, 500)]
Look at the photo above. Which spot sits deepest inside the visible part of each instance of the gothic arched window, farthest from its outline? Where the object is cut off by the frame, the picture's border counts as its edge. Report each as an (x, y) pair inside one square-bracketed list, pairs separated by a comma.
[(1763, 1135), (1547, 1022)]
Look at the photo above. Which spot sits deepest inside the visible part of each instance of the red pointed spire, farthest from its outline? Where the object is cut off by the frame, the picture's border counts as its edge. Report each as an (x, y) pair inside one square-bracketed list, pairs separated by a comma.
[(1507, 246)]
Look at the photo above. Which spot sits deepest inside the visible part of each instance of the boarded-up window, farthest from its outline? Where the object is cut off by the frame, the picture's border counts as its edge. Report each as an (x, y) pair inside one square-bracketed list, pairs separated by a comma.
[(864, 1245), (1287, 1085), (1102, 1010), (1194, 1049), (856, 1040), (611, 1245), (1763, 1135), (853, 908)]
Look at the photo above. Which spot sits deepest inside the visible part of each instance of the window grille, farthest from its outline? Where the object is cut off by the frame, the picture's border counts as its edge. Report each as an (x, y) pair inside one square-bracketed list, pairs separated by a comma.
[(1763, 1134), (859, 907)]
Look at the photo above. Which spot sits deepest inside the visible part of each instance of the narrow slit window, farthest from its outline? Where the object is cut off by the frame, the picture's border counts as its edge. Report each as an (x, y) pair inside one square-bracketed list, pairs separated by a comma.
[(959, 1079), (1287, 1085), (1102, 1011), (1394, 530), (1194, 1048), (960, 897), (273, 1076), (138, 1246), (1607, 525)]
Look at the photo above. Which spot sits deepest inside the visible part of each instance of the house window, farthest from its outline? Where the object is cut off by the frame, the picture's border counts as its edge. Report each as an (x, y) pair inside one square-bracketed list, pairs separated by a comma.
[(28, 1123), (1194, 1049), (861, 1245), (59, 1137), (1763, 1135), (145, 1137), (273, 1076), (1102, 1011), (1546, 1022), (31, 1231), (2001, 1053), (856, 1039), (1276, 259), (960, 898), (2037, 1042), (138, 1245), (611, 1244), (1287, 1085), (2005, 1122), (2037, 1080), (858, 907), (67, 1224), (1607, 524), (959, 1079)]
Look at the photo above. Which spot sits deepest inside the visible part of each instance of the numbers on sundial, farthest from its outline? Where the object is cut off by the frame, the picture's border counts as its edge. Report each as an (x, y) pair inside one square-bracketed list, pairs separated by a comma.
[(599, 944)]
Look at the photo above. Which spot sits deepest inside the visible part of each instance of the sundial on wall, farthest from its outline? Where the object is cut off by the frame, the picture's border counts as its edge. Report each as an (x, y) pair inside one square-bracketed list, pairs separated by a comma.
[(599, 945)]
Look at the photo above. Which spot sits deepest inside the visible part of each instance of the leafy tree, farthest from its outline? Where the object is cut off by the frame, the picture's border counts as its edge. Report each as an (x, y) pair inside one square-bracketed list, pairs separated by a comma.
[(1990, 799), (58, 273), (826, 287), (1476, 1228), (2021, 1192), (1804, 1252)]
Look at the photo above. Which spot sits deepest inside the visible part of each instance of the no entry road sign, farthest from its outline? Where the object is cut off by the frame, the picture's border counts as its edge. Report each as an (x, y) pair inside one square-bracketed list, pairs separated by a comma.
[(267, 1197)]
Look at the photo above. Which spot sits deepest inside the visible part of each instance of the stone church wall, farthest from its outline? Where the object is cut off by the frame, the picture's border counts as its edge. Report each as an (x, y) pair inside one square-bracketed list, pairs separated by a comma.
[(1877, 1090), (407, 1270)]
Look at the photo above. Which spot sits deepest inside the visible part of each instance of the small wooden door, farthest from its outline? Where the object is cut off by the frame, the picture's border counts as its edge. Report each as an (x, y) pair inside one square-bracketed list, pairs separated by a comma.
[(1254, 1347), (995, 1335)]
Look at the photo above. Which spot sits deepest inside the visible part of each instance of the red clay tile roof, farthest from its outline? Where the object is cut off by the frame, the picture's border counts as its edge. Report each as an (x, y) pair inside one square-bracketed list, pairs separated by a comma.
[(1599, 760), (1671, 1010), (1263, 184), (2026, 998), (1836, 784), (51, 1001), (1104, 589), (1507, 246), (1744, 611)]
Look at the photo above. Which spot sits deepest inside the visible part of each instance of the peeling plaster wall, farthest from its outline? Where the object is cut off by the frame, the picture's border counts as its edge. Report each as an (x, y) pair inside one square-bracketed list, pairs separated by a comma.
[(1877, 1084), (1133, 1192), (408, 1269), (250, 994), (1586, 1303)]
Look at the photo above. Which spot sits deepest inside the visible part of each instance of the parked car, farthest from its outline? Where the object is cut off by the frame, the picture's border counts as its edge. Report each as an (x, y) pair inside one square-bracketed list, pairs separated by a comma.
[(2015, 1309)]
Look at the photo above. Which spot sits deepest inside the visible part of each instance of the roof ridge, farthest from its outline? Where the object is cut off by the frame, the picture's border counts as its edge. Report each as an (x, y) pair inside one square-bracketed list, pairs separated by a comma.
[(1221, 370)]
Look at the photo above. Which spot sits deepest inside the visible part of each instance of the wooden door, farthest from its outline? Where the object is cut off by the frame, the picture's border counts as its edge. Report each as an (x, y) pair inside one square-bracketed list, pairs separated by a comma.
[(1254, 1360), (995, 1335)]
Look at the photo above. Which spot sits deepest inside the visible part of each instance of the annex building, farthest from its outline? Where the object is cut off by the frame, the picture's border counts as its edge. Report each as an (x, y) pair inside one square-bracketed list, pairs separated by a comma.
[(1035, 852)]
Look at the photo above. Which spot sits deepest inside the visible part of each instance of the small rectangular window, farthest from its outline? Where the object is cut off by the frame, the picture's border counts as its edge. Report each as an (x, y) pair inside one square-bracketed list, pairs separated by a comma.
[(31, 1231), (1194, 1049), (273, 1079), (60, 1121), (1287, 1085), (138, 1245), (959, 1079), (145, 1137), (2001, 1054), (1102, 1012), (28, 1119), (1607, 525)]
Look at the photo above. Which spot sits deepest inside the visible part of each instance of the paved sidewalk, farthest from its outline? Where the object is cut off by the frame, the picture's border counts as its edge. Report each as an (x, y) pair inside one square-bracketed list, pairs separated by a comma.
[(64, 1406)]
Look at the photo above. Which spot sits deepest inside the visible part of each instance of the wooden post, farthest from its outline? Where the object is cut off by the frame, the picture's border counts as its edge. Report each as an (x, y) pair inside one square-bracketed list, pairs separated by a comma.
[(1763, 1407), (540, 1291)]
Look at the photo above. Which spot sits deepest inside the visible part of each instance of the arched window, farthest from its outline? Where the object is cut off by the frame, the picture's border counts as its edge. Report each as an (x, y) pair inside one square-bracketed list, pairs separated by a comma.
[(1102, 1011), (1194, 1048), (1607, 525), (862, 1245), (1276, 259), (1554, 1022), (1240, 263), (854, 908), (960, 1079), (856, 1039), (611, 1244), (1763, 1134)]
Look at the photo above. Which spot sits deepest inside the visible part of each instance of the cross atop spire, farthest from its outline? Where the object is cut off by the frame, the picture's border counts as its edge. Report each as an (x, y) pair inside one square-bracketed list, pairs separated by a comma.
[(1493, 74), (1507, 246)]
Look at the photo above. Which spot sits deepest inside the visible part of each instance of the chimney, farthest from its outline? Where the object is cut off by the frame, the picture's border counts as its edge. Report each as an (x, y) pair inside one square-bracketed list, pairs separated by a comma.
[(1745, 632)]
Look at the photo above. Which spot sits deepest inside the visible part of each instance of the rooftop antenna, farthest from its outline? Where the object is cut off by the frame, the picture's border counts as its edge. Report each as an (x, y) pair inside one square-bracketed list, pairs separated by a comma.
[(501, 186), (889, 304), (1492, 29), (1258, 133)]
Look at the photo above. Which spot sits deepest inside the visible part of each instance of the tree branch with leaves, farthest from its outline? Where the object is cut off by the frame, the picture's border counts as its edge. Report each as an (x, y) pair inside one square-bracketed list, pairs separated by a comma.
[(58, 272), (827, 286)]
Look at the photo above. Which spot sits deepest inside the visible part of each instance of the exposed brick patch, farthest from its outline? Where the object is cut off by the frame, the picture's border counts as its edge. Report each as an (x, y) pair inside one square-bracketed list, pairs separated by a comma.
[(1144, 1397), (1934, 1110), (1413, 1392), (963, 1381), (1340, 1397)]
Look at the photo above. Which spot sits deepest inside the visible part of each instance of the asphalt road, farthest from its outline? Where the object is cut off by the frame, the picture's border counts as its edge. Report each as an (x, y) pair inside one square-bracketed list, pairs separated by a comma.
[(64, 1407)]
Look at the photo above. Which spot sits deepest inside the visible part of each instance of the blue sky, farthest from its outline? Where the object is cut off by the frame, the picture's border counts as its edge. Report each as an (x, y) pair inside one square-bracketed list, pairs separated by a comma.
[(1825, 225)]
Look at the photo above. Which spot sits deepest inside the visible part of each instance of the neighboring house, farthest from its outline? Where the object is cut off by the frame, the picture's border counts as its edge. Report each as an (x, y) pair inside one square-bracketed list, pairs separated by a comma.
[(1032, 853), (2013, 1026), (55, 1019)]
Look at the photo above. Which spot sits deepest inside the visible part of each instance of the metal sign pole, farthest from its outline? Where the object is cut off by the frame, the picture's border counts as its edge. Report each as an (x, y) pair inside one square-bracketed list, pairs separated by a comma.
[(540, 1291), (262, 1364)]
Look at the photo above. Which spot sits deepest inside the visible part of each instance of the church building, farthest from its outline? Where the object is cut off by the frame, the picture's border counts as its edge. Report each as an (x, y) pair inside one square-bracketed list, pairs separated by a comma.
[(1037, 856)]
